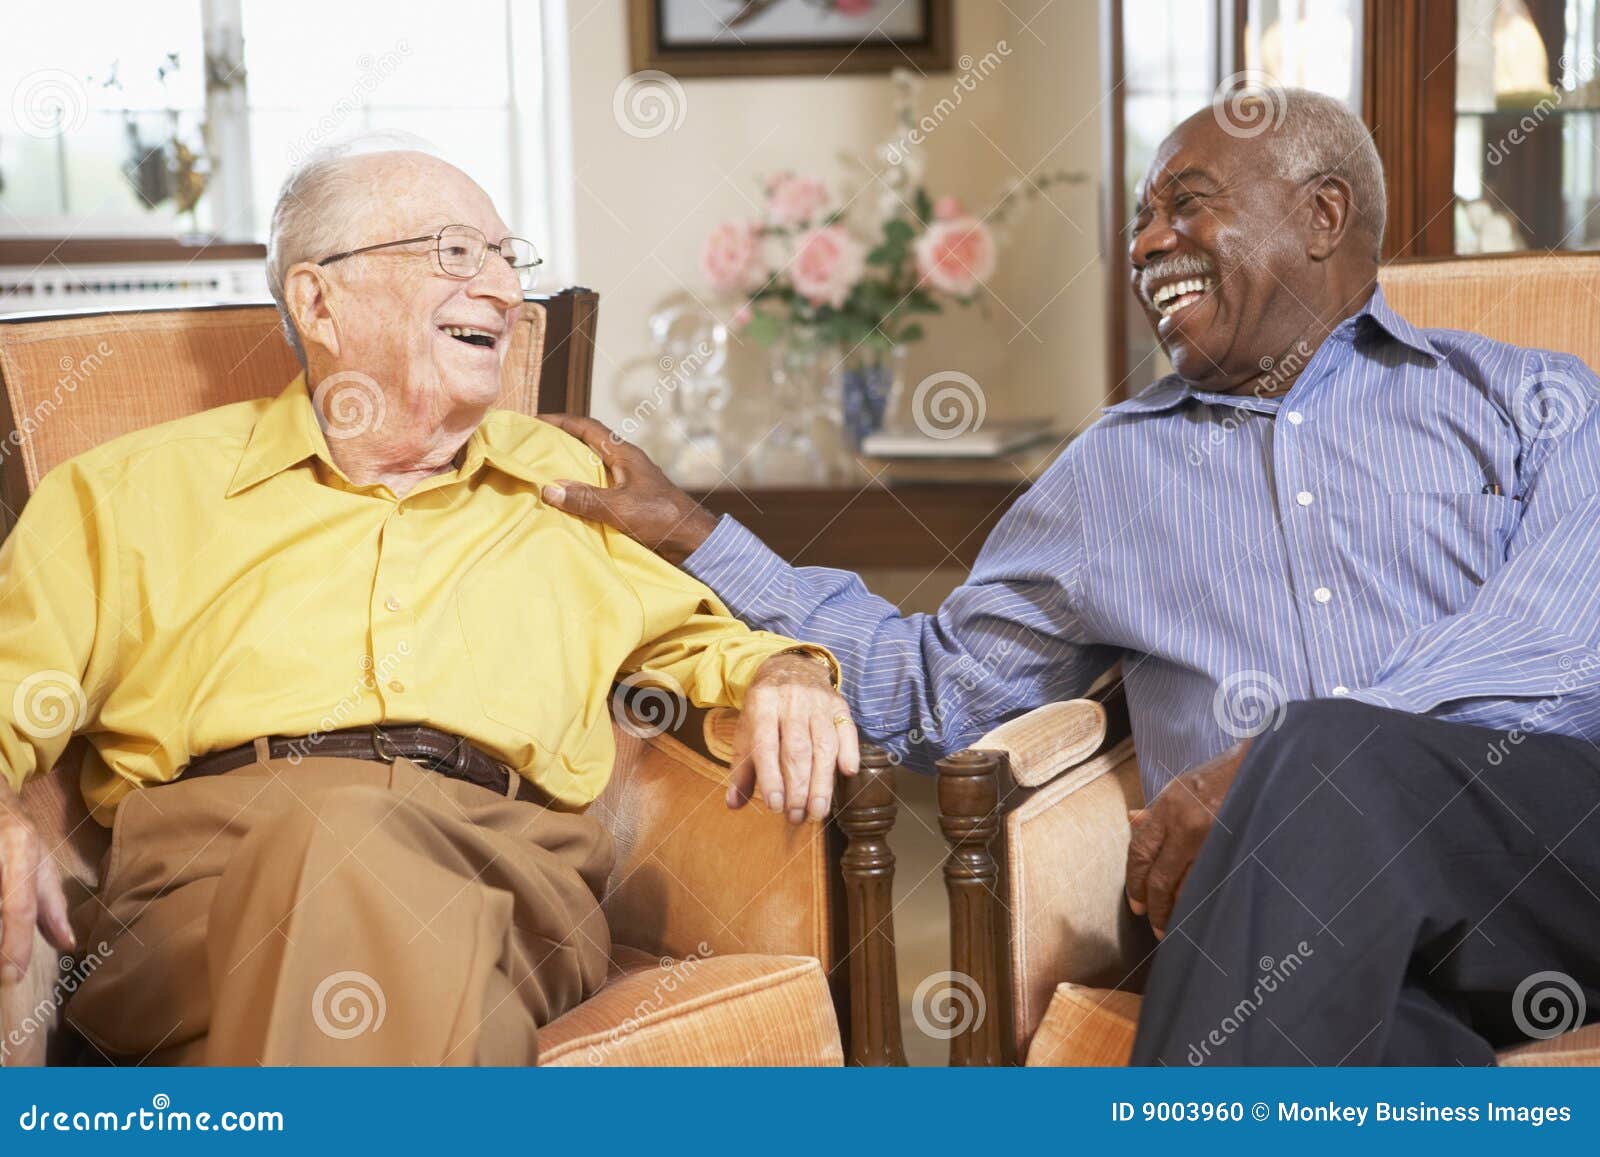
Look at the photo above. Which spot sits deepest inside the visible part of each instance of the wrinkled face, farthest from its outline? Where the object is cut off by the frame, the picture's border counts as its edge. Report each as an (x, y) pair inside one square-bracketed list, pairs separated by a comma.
[(434, 343), (1219, 255)]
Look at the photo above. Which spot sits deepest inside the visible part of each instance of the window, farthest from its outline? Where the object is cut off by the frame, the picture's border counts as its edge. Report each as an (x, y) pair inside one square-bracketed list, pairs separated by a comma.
[(144, 105)]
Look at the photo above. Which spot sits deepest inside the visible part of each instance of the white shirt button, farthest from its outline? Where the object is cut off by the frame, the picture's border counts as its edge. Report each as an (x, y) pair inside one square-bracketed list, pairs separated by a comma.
[(391, 603), (1304, 498), (1322, 595), (1295, 417), (1341, 689)]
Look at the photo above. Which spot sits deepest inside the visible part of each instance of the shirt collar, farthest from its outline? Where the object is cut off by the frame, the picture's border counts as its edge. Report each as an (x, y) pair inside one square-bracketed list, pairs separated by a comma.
[(1172, 390), (509, 448), (1377, 309), (287, 433)]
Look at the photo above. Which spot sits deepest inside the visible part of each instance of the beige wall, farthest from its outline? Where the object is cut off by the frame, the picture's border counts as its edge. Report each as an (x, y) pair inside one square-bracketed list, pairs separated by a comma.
[(643, 206)]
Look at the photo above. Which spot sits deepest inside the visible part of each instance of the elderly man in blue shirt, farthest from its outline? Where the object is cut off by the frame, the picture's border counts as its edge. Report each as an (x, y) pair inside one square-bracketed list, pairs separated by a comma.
[(1352, 570)]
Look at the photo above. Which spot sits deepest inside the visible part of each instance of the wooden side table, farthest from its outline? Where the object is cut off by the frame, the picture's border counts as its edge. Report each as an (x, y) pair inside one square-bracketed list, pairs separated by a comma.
[(909, 525)]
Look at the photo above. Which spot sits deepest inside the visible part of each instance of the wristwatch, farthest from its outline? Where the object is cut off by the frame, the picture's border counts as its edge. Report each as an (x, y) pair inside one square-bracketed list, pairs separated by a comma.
[(819, 655)]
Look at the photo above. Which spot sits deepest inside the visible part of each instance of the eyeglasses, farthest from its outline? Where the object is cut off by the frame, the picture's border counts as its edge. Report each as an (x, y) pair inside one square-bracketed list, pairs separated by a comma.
[(461, 251)]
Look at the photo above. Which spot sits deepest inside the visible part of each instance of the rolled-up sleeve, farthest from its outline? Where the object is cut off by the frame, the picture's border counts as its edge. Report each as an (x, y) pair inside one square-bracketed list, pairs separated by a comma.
[(1007, 640)]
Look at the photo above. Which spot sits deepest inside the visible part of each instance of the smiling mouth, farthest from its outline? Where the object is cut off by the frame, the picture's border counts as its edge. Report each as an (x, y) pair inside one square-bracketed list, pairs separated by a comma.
[(1176, 295), (468, 335)]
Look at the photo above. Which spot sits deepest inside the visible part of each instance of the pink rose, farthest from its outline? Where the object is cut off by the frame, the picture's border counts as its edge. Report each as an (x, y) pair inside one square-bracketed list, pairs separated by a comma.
[(948, 208), (794, 201), (956, 256), (852, 7), (827, 264), (731, 258)]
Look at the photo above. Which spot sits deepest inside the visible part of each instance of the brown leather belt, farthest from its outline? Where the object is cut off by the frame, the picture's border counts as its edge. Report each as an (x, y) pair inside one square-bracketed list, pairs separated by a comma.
[(439, 751)]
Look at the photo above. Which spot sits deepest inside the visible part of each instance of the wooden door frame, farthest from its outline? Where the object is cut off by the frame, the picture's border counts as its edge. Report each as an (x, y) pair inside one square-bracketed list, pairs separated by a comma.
[(1408, 80)]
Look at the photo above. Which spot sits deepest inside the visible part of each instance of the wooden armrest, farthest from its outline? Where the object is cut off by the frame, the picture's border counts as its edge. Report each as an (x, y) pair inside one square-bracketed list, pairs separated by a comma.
[(1058, 781), (1048, 740)]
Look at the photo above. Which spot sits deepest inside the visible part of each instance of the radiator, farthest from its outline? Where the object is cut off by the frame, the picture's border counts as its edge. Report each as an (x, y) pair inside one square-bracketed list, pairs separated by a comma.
[(71, 289)]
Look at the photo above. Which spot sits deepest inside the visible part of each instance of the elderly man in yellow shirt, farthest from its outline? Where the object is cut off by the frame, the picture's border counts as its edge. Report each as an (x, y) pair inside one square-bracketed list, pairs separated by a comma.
[(346, 676)]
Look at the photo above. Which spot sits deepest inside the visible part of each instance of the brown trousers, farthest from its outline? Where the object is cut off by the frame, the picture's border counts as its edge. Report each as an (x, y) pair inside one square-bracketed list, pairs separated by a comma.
[(339, 912)]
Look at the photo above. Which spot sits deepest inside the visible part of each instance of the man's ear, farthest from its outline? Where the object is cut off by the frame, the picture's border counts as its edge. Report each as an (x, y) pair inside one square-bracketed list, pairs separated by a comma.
[(1331, 217), (307, 293)]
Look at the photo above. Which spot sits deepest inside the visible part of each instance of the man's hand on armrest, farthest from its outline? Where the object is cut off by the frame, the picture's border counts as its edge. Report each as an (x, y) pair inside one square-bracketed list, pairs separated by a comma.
[(30, 891), (795, 731), (641, 501)]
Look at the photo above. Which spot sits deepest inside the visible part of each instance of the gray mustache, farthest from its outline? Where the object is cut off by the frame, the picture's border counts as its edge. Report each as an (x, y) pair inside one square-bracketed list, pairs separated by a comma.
[(1181, 266)]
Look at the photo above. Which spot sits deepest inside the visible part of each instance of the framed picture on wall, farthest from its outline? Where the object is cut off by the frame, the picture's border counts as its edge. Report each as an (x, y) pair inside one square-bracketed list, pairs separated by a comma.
[(789, 37)]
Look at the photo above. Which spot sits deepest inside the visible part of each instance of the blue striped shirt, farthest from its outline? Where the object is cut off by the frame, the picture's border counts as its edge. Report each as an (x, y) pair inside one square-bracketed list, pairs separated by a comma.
[(1416, 524)]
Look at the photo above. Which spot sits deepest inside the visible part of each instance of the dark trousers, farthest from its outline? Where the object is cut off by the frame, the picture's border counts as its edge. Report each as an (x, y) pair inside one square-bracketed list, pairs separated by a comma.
[(1385, 888)]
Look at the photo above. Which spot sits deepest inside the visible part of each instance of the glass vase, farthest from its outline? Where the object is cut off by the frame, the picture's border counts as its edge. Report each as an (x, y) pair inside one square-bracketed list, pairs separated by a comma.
[(803, 446), (874, 389)]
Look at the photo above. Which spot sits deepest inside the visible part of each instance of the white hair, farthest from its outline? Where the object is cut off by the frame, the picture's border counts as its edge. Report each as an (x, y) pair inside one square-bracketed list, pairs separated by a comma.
[(1313, 135), (313, 217)]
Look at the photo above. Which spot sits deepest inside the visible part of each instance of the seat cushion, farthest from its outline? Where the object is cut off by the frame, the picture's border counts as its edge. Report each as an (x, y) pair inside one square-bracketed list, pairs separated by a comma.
[(1095, 1026), (1085, 1027), (712, 1010), (1577, 1049)]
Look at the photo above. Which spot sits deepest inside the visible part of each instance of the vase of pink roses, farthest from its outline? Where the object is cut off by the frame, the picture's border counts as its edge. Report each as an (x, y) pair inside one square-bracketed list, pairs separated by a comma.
[(854, 299)]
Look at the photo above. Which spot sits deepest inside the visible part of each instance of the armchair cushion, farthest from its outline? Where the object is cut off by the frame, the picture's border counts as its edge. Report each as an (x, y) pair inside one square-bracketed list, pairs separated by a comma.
[(1096, 1026), (1085, 1027), (1577, 1049), (714, 1010)]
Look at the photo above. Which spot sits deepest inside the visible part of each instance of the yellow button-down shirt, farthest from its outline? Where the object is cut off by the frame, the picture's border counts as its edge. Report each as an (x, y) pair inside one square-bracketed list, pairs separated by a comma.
[(190, 587)]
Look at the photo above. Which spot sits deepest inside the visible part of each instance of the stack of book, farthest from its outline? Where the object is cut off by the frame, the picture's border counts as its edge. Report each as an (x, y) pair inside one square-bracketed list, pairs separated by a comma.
[(994, 452)]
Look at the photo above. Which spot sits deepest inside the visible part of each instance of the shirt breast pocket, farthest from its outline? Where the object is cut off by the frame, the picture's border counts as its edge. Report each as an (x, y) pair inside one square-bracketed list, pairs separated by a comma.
[(1439, 548)]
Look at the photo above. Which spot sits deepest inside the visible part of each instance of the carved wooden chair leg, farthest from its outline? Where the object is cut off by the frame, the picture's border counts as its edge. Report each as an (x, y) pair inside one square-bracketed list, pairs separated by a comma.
[(969, 815), (865, 813)]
